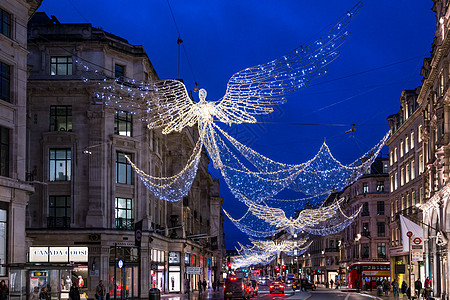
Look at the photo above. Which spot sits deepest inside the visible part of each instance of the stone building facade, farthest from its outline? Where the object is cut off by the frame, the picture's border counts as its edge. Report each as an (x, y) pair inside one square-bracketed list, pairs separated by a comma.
[(366, 240), (407, 158), (81, 220), (14, 191)]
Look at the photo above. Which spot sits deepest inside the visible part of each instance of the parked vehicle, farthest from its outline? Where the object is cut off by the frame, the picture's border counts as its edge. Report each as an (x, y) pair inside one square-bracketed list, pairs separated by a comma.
[(236, 288), (276, 288)]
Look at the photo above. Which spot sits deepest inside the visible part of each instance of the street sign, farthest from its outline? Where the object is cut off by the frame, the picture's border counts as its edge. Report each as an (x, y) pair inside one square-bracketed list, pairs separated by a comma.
[(417, 254), (120, 264), (194, 270), (409, 234)]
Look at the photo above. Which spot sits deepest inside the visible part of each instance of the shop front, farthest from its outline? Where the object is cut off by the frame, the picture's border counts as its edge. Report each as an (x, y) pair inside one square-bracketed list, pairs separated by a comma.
[(174, 274), (53, 268), (157, 278), (124, 272)]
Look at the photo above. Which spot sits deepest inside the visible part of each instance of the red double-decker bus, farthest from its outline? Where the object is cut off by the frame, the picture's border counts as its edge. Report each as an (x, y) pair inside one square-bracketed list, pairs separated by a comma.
[(367, 273)]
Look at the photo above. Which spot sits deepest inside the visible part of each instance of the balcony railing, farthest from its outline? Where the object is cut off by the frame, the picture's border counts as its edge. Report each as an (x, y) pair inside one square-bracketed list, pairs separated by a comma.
[(58, 222), (124, 224), (332, 249)]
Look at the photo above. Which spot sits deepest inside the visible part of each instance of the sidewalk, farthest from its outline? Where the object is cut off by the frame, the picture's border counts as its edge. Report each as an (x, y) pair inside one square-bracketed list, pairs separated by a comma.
[(373, 294)]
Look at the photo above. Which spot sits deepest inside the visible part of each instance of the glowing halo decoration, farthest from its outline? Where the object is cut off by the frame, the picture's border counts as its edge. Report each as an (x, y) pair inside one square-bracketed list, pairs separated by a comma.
[(253, 178)]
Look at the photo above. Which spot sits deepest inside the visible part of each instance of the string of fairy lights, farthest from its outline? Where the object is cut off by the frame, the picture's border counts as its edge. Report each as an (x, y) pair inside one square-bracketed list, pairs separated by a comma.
[(253, 178)]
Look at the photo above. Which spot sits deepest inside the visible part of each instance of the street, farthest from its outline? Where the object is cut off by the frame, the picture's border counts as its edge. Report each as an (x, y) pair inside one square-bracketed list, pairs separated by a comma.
[(319, 294)]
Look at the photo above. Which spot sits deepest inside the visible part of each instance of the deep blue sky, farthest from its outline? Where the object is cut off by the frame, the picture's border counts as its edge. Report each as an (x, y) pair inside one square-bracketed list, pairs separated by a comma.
[(222, 37)]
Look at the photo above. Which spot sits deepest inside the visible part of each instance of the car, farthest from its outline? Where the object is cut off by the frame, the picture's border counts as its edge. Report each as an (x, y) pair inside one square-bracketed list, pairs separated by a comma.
[(276, 288), (234, 287), (296, 285), (308, 285)]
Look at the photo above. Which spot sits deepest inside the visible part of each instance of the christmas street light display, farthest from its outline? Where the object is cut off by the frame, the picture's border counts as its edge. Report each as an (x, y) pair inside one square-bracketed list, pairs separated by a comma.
[(252, 177)]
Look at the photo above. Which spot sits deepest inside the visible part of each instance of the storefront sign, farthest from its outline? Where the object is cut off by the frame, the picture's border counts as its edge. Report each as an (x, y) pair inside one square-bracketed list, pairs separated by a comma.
[(174, 258), (58, 254), (194, 270)]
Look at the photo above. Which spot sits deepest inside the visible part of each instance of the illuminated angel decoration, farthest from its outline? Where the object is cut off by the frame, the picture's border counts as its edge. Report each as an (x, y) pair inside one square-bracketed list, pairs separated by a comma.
[(166, 105)]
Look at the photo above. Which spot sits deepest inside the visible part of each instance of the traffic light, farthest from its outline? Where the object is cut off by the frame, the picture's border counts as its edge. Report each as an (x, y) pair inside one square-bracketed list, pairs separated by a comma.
[(284, 267), (278, 269)]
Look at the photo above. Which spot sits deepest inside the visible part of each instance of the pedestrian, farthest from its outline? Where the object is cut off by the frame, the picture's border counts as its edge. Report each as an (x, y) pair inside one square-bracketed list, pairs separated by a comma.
[(337, 284), (214, 285), (199, 286), (331, 283), (218, 285), (187, 287), (428, 286), (74, 293), (418, 287), (44, 294), (35, 294), (100, 291), (3, 290), (204, 285), (386, 287), (395, 287), (404, 287)]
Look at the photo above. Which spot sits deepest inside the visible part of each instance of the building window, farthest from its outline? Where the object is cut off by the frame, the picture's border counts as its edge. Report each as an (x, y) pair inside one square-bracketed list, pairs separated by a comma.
[(365, 209), (61, 65), (401, 149), (395, 154), (407, 173), (59, 212), (381, 230), (390, 158), (122, 123), (421, 195), (413, 197), (380, 208), (60, 164), (421, 165), (406, 144), (412, 140), (4, 151), (119, 72), (392, 183), (419, 134), (365, 188), (413, 170), (5, 82), (380, 186), (365, 251), (402, 176), (124, 213), (381, 250), (5, 23), (123, 168), (395, 181), (3, 240), (385, 168), (60, 118), (365, 229)]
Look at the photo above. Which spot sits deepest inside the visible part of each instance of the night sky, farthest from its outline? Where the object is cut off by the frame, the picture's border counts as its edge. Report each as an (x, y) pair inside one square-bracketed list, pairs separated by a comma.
[(383, 56)]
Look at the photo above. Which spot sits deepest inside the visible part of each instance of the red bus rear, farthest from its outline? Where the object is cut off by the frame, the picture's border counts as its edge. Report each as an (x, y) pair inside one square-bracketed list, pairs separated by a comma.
[(367, 274)]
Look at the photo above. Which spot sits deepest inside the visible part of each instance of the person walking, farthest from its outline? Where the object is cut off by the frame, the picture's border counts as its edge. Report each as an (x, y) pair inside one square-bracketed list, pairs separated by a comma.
[(74, 293), (418, 287), (100, 291), (404, 287), (395, 287), (199, 286), (4, 292), (204, 285), (331, 283), (35, 294), (44, 295), (187, 287), (428, 287), (214, 286)]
